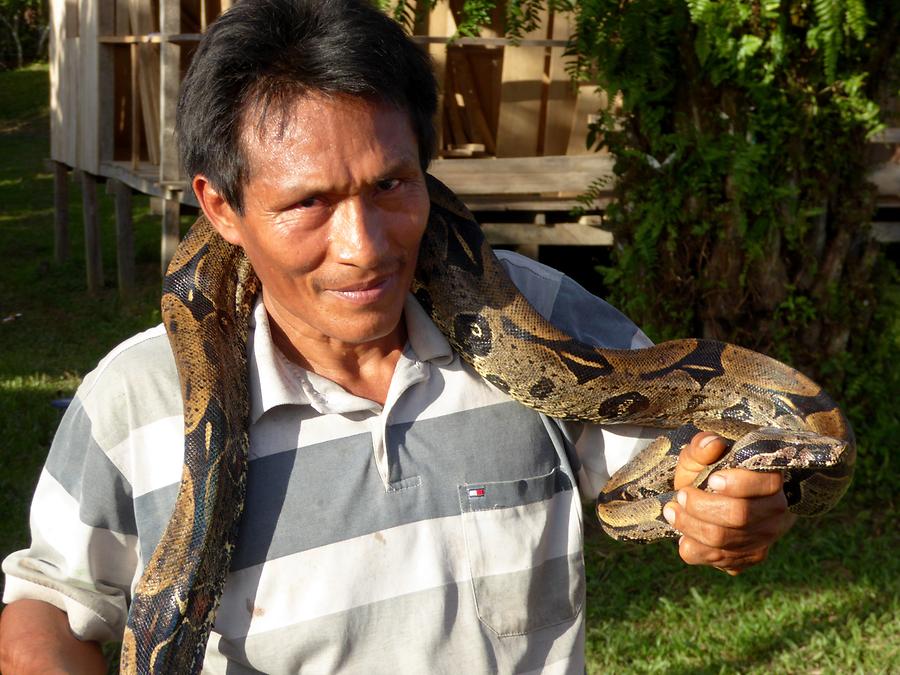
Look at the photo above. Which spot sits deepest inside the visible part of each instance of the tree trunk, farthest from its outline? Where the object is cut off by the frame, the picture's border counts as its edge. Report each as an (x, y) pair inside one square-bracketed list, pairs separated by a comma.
[(14, 31)]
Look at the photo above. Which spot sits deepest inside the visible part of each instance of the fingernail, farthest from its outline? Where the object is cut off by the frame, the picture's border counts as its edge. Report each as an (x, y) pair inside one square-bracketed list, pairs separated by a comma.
[(709, 439), (669, 514), (716, 482), (681, 498)]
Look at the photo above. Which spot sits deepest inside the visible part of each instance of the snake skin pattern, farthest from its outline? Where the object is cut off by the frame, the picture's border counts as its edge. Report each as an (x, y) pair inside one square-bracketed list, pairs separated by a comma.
[(778, 418)]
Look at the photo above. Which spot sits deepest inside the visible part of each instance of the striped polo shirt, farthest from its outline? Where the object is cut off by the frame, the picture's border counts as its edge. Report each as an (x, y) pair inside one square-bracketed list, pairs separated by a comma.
[(439, 533)]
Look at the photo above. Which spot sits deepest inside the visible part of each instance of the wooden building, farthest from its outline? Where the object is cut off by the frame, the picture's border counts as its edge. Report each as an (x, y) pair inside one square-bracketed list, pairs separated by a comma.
[(512, 126)]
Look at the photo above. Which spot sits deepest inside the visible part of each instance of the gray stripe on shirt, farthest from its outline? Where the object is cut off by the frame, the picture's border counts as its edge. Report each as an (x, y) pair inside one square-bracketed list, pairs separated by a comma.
[(443, 452), (86, 473)]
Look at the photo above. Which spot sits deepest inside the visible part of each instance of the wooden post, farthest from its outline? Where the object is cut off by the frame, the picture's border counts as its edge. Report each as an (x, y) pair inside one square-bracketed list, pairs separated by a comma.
[(135, 108), (92, 254), (61, 247), (171, 228), (124, 236), (169, 165)]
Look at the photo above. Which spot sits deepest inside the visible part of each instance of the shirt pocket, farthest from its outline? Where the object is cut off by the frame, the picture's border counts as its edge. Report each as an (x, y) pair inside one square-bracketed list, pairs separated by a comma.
[(524, 547)]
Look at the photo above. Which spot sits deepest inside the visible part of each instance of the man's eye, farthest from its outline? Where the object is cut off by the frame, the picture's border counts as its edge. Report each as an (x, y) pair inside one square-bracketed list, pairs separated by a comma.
[(308, 203), (388, 184)]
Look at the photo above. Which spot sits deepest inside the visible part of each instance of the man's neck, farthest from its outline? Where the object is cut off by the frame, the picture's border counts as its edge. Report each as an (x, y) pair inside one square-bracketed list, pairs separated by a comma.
[(364, 370)]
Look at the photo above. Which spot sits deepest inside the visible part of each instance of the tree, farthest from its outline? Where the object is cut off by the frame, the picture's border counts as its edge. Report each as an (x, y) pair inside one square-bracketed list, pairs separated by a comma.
[(26, 28), (742, 208)]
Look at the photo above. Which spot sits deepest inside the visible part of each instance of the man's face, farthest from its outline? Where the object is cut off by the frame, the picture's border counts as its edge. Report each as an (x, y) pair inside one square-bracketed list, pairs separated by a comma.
[(335, 207)]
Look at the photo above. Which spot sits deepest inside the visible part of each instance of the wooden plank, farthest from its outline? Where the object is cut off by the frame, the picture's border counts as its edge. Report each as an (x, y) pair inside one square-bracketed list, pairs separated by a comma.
[(170, 81), (136, 103), (88, 131), (561, 93), (520, 97), (472, 104), (440, 23), (124, 236), (587, 104), (889, 135), (73, 21), (142, 23), (886, 233), (56, 49), (69, 88), (561, 234), (92, 252), (886, 177), (123, 20), (171, 230), (522, 176), (61, 246)]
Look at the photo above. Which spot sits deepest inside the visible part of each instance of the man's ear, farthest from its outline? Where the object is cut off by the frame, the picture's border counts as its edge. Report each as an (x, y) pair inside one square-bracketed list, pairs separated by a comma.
[(218, 211)]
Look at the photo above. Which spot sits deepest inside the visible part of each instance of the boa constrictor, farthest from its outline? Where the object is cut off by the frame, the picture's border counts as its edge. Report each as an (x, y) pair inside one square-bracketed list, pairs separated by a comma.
[(778, 418)]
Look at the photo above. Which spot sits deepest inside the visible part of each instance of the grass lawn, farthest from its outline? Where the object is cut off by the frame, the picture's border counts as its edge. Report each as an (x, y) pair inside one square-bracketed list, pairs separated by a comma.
[(826, 601)]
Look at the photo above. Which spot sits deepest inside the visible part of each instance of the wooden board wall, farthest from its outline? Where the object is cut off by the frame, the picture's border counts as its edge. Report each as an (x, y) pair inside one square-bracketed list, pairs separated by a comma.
[(497, 100), (81, 79)]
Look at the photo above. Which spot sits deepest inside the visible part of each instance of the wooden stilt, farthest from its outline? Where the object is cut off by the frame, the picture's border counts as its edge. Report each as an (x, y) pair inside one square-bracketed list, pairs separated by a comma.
[(124, 236), (171, 229), (61, 248), (92, 254)]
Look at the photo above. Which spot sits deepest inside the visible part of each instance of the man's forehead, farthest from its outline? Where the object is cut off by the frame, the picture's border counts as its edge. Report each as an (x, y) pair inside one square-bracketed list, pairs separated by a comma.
[(270, 116), (297, 131)]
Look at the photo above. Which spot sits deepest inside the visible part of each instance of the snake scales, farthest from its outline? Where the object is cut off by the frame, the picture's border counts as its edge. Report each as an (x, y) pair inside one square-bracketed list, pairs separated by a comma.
[(779, 418)]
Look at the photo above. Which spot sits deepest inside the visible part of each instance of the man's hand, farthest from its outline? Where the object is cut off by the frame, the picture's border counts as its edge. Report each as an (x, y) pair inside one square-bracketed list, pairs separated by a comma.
[(732, 527)]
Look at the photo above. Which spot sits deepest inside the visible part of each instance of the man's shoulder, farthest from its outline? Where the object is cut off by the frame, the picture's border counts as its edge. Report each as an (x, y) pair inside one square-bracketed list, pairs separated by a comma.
[(141, 367), (569, 306)]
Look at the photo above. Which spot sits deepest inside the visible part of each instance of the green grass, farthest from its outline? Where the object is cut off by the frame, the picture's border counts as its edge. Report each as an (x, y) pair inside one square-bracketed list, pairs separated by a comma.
[(826, 601)]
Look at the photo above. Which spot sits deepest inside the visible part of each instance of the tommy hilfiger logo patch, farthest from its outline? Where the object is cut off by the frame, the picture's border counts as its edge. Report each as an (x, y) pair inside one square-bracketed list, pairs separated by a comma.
[(476, 492)]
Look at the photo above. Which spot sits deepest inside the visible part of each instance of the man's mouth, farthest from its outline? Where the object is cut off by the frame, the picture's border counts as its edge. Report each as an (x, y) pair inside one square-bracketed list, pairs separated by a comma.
[(366, 292)]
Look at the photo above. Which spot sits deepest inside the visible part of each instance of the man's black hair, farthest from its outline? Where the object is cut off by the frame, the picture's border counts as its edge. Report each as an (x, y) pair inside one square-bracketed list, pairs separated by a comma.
[(261, 54)]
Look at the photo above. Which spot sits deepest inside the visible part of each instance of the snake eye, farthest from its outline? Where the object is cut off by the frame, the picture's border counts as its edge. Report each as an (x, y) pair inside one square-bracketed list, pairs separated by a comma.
[(473, 332)]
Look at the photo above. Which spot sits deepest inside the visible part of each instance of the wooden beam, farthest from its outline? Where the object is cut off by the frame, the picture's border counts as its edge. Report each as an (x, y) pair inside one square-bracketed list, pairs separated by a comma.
[(561, 234), (61, 247), (124, 236), (93, 256)]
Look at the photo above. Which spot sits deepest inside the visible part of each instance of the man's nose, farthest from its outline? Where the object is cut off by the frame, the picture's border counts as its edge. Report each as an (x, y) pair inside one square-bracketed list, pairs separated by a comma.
[(359, 236)]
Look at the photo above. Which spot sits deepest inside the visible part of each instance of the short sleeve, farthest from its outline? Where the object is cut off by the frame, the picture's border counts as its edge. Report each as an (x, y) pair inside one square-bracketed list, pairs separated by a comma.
[(597, 450)]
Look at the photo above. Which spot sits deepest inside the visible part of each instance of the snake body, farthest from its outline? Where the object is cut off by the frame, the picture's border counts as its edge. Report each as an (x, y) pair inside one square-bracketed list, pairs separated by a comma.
[(778, 418)]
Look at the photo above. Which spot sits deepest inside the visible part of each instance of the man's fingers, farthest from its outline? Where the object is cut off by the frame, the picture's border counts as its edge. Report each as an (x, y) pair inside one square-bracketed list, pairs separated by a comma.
[(743, 483), (732, 562), (726, 523), (732, 511), (704, 449)]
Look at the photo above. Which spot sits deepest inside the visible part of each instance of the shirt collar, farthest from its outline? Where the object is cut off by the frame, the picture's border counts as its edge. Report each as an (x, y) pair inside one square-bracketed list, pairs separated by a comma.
[(275, 381)]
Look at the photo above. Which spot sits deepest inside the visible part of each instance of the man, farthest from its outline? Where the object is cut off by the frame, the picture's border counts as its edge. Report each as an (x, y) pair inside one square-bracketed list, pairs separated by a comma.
[(402, 514)]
